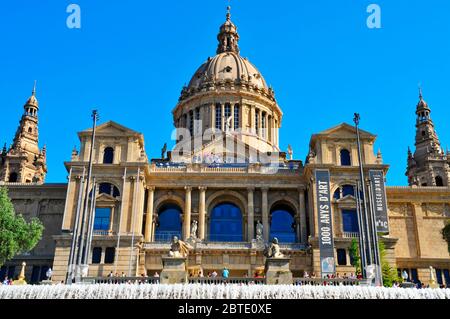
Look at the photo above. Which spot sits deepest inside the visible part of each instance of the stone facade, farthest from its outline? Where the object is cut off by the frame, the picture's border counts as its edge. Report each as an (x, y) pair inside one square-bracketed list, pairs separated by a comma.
[(230, 96)]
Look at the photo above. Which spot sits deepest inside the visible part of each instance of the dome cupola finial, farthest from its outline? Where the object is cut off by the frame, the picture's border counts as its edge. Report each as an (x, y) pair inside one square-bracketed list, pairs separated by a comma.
[(228, 36)]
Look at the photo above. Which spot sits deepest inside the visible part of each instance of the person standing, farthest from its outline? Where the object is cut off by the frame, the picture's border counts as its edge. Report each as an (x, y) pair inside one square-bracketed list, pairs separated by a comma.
[(225, 273)]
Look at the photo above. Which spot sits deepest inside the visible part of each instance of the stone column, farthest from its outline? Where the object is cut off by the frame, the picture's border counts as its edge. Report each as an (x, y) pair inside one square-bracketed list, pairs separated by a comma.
[(302, 207), (187, 214), (149, 215), (232, 116), (201, 213), (213, 116), (251, 214), (252, 119), (265, 213)]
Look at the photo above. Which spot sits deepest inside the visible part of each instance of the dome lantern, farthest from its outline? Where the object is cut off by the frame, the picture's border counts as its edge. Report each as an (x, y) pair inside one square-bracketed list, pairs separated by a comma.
[(228, 36)]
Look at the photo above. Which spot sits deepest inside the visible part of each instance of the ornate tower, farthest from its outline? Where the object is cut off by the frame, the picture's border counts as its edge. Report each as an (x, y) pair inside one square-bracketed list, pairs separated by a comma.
[(429, 166), (24, 162)]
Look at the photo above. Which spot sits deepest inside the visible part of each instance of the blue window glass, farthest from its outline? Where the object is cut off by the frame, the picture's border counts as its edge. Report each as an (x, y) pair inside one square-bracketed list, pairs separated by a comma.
[(350, 221), (439, 276), (341, 257), (226, 223), (169, 223), (102, 218), (447, 277), (108, 155), (345, 158), (96, 255), (414, 277), (282, 226), (348, 190), (337, 193)]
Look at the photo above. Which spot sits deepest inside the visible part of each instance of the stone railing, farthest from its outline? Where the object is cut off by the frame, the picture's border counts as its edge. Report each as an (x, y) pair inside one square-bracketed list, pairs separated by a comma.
[(350, 235), (253, 168), (326, 282), (230, 280), (120, 280), (103, 233)]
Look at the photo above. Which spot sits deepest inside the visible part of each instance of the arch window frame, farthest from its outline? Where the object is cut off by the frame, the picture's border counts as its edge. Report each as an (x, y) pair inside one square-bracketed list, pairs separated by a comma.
[(238, 222), (165, 235), (286, 208)]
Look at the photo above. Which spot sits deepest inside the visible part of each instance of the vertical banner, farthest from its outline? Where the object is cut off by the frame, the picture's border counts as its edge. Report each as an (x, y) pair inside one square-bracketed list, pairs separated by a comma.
[(379, 200), (326, 244)]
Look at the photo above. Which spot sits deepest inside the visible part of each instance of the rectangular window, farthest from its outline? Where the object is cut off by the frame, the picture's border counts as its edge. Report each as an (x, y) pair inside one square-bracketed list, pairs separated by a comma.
[(109, 255), (102, 218), (218, 116), (35, 274), (197, 121), (191, 123), (341, 257), (439, 276), (96, 255), (236, 116), (257, 122), (263, 125), (349, 221), (447, 277), (414, 277)]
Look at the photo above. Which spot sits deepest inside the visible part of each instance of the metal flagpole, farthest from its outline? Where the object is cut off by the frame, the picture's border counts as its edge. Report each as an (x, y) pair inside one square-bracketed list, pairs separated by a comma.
[(67, 196), (120, 222), (73, 246), (376, 250), (87, 251), (363, 188), (361, 238), (85, 206), (134, 219)]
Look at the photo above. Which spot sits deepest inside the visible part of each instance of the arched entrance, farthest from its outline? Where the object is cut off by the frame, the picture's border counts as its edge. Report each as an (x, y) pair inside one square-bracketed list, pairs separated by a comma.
[(226, 223), (282, 223), (168, 222)]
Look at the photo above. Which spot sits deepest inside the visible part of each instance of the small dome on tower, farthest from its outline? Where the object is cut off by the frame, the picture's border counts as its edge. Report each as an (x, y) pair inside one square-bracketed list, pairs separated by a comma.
[(32, 100)]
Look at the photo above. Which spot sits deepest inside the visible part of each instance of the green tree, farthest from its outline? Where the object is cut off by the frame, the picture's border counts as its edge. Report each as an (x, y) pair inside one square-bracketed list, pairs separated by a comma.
[(389, 273), (16, 235), (446, 234), (354, 255)]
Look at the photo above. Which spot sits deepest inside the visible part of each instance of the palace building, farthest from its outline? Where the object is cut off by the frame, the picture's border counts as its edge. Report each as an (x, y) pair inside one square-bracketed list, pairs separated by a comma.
[(225, 177)]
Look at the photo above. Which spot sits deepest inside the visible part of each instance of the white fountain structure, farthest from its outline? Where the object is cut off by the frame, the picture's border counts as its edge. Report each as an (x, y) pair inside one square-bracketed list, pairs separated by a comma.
[(214, 291)]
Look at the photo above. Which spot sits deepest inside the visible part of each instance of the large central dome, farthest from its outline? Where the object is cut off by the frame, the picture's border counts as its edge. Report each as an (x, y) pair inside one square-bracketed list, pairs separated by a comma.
[(227, 67), (228, 96)]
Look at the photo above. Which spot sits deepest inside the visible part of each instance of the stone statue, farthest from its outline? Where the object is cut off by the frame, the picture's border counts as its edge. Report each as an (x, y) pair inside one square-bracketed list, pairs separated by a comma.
[(273, 251), (259, 231), (194, 226), (178, 248), (228, 124), (290, 152), (49, 274), (163, 151), (432, 275)]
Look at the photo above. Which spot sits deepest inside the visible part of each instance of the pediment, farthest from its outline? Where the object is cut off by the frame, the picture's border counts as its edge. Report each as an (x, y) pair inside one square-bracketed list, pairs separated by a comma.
[(111, 128), (345, 131), (105, 198)]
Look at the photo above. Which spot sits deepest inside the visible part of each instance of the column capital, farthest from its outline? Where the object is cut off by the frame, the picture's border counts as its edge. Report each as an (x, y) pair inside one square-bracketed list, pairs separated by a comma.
[(188, 189), (264, 189), (151, 188), (202, 188), (250, 189)]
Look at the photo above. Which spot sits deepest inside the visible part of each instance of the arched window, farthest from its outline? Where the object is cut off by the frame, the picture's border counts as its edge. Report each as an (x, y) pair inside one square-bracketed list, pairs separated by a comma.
[(226, 223), (257, 122), (169, 223), (439, 181), (350, 221), (108, 155), (282, 224), (30, 130), (109, 189), (13, 177), (343, 191), (345, 158)]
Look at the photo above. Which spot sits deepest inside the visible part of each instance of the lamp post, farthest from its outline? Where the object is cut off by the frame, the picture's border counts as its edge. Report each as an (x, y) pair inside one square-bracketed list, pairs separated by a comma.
[(368, 234), (81, 260)]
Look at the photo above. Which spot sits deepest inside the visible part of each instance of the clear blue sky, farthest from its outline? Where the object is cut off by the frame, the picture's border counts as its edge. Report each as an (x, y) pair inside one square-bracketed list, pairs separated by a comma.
[(131, 58)]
